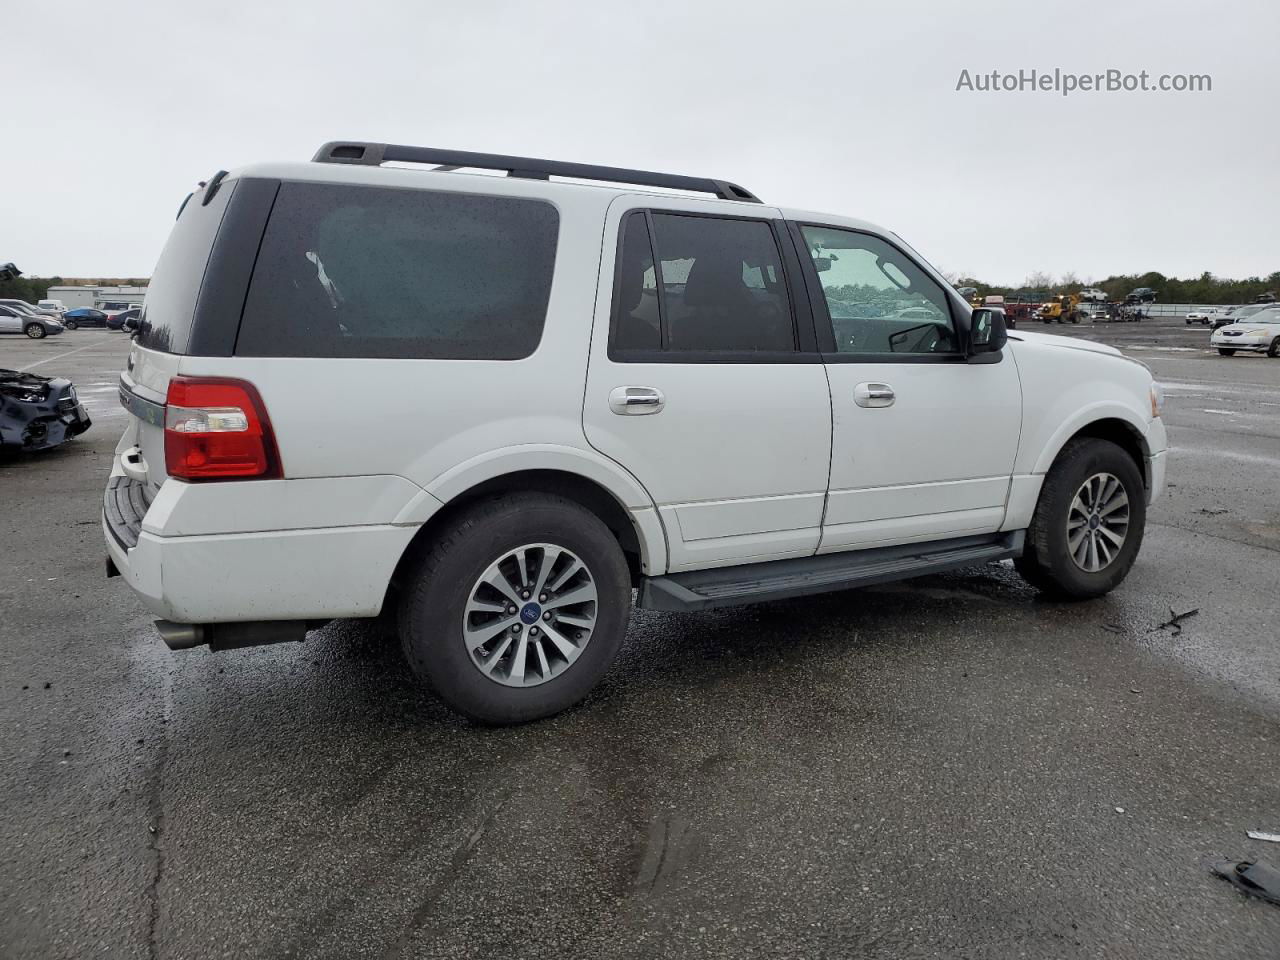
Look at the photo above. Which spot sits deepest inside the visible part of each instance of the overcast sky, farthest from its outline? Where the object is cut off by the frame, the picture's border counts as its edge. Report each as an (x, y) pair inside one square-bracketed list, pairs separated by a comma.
[(113, 110)]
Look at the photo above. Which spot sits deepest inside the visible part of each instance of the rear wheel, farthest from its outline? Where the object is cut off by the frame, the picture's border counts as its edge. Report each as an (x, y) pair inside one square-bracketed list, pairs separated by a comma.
[(1226, 352), (1088, 524), (35, 331), (518, 610)]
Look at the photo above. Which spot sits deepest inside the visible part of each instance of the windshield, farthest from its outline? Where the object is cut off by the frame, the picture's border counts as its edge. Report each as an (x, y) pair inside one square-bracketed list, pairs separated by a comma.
[(1245, 312)]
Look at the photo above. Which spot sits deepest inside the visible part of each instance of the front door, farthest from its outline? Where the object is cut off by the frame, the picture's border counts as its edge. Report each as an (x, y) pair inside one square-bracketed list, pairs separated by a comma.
[(704, 384), (923, 442)]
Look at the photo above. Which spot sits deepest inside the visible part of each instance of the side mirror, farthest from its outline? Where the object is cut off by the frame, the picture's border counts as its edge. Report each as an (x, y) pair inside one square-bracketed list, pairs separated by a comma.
[(987, 332)]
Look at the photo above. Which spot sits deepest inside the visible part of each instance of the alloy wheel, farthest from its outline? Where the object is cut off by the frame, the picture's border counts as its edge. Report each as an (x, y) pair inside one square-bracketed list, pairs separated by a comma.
[(1097, 522), (530, 615)]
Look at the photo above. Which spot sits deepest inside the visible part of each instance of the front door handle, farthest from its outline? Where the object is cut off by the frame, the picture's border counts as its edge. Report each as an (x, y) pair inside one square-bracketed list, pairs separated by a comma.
[(636, 401), (873, 395)]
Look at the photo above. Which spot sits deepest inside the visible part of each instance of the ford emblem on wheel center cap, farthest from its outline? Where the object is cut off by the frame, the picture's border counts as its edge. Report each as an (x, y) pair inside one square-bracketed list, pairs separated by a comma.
[(530, 613)]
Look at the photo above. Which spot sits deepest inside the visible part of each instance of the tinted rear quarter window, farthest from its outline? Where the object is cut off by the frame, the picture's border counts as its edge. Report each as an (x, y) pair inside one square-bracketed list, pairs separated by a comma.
[(169, 310), (357, 271)]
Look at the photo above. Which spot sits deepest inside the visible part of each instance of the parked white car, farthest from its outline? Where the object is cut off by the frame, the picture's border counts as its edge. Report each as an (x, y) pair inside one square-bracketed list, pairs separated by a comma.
[(1205, 315), (1257, 333), (53, 308), (497, 405)]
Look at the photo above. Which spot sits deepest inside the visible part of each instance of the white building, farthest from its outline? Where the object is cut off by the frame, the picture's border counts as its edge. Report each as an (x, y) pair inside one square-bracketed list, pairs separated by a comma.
[(86, 296)]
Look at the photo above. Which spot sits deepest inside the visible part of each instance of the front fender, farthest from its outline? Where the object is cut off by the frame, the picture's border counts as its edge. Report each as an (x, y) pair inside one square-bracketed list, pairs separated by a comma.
[(1081, 418)]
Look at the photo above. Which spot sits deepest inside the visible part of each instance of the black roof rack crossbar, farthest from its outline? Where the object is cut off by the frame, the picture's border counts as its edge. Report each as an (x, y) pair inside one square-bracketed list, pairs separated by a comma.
[(375, 154)]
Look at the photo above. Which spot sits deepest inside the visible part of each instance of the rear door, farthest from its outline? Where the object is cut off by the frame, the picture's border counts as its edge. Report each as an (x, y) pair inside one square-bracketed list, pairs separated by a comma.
[(704, 382), (10, 321)]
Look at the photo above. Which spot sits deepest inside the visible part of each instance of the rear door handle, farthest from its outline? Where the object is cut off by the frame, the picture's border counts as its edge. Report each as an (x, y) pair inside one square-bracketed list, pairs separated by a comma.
[(636, 401), (873, 395)]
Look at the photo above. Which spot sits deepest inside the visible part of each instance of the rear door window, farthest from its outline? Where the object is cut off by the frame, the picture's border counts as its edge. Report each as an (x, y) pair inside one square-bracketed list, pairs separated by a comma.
[(354, 271), (717, 288)]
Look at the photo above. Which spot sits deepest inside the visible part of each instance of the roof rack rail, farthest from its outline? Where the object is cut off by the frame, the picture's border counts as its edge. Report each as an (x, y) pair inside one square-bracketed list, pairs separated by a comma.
[(375, 154)]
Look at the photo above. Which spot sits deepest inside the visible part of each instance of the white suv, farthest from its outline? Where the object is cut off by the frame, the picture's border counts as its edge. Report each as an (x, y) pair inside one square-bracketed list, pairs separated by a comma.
[(499, 405)]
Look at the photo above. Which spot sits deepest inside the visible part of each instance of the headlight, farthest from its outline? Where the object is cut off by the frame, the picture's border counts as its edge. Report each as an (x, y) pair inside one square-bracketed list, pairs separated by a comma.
[(1157, 399)]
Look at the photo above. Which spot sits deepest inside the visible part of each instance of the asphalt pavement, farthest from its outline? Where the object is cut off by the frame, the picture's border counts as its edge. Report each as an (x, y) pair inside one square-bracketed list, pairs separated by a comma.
[(949, 767)]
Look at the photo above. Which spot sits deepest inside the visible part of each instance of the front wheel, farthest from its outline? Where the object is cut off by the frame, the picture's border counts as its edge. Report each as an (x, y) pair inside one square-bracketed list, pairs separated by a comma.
[(71, 325), (1088, 523), (35, 331), (1273, 351), (1226, 352), (517, 610)]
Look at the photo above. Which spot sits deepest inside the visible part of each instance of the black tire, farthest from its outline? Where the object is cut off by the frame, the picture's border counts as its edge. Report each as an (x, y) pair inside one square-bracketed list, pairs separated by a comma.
[(1046, 562), (1273, 351), (438, 587), (71, 325), (1226, 352), (35, 331)]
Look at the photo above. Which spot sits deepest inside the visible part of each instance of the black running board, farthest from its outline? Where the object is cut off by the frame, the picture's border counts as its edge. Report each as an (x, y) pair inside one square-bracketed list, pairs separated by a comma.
[(781, 579)]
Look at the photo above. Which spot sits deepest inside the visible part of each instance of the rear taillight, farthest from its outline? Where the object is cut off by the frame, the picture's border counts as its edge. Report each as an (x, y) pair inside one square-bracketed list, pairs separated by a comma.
[(217, 429)]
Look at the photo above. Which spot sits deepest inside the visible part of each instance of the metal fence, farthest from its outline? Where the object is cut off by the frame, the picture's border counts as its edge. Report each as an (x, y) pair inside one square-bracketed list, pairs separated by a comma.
[(1158, 309), (1178, 309)]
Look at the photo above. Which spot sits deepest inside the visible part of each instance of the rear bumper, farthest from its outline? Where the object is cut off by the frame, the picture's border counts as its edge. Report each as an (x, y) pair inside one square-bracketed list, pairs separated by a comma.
[(306, 549), (316, 574)]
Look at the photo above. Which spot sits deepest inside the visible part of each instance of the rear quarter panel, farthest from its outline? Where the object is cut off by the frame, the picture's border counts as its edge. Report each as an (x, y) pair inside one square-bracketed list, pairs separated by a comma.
[(446, 425)]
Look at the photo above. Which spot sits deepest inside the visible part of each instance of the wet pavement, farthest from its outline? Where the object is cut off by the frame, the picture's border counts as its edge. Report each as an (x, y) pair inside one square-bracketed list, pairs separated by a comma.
[(946, 767)]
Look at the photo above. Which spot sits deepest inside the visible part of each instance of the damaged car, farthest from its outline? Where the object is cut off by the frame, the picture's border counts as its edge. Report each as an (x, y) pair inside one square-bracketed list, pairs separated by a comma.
[(37, 412)]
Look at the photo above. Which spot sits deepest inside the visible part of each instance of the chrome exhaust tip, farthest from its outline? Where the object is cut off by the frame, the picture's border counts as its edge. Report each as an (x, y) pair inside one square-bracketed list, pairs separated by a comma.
[(181, 636)]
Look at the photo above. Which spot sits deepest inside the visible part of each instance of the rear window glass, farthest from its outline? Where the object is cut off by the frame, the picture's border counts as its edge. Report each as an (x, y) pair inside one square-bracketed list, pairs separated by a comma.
[(352, 271), (169, 309), (718, 287)]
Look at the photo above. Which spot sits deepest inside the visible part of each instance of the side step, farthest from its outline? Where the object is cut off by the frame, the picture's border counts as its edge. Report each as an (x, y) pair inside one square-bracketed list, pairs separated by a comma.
[(781, 579)]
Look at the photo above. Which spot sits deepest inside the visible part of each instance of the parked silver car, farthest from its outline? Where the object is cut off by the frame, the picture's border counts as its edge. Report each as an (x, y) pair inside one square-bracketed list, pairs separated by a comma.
[(34, 326), (1257, 333), (22, 307)]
